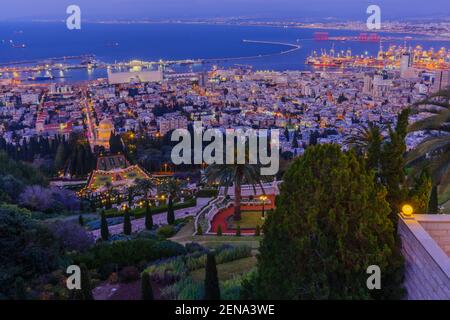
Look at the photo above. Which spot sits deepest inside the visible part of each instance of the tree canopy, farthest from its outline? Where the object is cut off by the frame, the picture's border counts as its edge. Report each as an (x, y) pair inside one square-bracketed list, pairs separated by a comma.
[(331, 223)]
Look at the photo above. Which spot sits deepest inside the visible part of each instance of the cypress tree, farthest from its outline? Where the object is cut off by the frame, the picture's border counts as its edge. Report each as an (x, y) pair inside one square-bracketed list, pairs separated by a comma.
[(148, 216), (257, 231), (93, 205), (286, 134), (238, 231), (170, 212), (433, 206), (81, 220), (79, 161), (331, 222), (86, 287), (104, 230), (420, 194), (127, 222), (374, 150), (60, 157), (219, 230), (393, 174), (212, 289), (295, 141), (146, 287)]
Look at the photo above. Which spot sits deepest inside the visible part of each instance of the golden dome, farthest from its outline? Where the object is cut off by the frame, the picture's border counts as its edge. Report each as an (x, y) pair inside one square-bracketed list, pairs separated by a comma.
[(106, 124)]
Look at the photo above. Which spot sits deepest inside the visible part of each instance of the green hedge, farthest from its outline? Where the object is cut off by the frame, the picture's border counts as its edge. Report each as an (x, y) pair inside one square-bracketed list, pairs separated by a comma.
[(140, 212), (128, 253), (207, 193)]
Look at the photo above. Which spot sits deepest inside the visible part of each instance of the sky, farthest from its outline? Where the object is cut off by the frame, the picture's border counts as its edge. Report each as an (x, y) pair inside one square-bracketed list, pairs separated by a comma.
[(268, 9)]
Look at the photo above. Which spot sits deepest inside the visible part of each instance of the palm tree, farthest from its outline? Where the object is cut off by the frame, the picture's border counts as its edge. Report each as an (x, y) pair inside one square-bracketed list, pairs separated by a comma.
[(131, 193), (433, 152), (367, 141), (362, 138), (172, 188), (146, 186), (235, 174), (110, 192)]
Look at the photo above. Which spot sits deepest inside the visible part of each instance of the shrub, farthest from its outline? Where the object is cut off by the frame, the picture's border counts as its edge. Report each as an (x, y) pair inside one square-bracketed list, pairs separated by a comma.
[(168, 271), (199, 230), (129, 274), (234, 289), (192, 247), (166, 231), (238, 231), (36, 198), (106, 270), (233, 253), (186, 289), (207, 193), (44, 199), (72, 236), (124, 253), (26, 248)]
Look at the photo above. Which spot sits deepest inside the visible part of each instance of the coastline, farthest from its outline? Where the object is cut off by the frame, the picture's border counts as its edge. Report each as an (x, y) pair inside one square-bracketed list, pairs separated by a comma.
[(270, 24)]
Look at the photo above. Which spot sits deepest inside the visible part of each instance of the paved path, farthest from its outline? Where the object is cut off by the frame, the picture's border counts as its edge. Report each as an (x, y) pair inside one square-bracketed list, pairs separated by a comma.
[(160, 219)]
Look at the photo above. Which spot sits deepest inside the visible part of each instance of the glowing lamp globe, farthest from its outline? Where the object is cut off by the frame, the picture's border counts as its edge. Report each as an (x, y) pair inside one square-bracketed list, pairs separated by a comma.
[(407, 210)]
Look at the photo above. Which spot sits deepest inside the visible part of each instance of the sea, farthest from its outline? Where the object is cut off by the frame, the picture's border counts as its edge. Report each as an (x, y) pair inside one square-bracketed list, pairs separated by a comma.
[(120, 42)]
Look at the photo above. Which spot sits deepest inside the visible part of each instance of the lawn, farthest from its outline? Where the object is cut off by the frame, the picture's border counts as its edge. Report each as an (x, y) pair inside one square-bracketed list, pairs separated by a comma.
[(228, 270), (250, 219), (185, 236), (101, 180), (134, 174)]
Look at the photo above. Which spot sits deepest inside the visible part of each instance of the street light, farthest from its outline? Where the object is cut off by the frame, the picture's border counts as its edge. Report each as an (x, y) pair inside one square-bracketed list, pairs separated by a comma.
[(263, 198)]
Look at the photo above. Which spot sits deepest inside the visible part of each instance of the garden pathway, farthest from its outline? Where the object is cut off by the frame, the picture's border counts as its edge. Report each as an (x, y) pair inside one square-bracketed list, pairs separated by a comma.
[(160, 219)]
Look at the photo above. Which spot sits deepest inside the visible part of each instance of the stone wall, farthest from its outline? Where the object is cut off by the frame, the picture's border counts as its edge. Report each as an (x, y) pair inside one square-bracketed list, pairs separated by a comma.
[(427, 272), (440, 232)]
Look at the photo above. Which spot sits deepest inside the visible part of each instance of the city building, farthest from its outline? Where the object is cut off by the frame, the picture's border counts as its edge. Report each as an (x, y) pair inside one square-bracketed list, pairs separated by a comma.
[(441, 80), (406, 62), (171, 121), (134, 77)]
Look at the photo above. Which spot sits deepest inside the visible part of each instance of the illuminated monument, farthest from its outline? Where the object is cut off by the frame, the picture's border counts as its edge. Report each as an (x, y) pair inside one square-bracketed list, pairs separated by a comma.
[(103, 133)]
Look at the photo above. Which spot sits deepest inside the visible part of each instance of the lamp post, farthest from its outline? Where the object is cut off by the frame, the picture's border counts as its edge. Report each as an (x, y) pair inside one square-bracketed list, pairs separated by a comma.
[(407, 211), (263, 198)]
